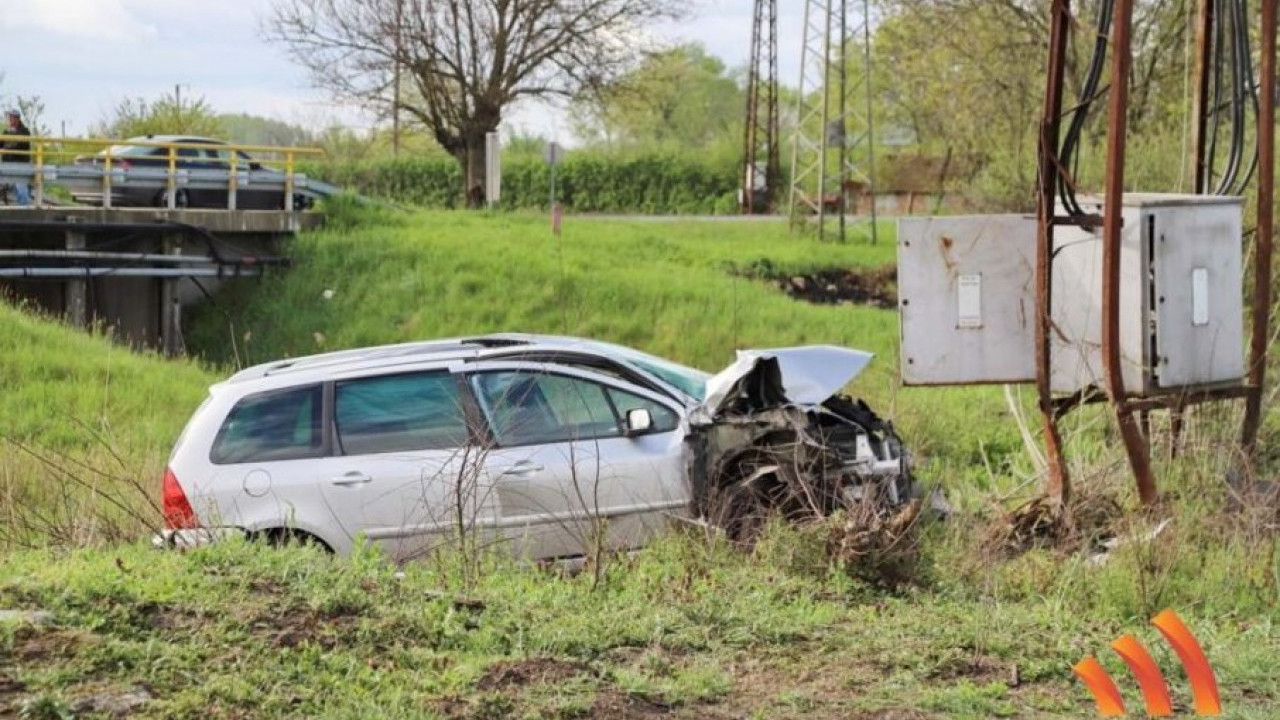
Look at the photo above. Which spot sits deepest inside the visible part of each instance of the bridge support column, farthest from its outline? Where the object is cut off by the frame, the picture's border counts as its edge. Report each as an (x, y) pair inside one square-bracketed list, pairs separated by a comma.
[(171, 304), (76, 297)]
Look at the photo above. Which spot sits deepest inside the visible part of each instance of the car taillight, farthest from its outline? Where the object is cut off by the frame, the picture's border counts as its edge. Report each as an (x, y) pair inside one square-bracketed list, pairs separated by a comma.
[(124, 164), (178, 514)]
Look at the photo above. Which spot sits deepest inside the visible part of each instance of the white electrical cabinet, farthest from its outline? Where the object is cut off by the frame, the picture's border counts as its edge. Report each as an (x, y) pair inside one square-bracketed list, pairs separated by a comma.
[(967, 297), (1181, 292)]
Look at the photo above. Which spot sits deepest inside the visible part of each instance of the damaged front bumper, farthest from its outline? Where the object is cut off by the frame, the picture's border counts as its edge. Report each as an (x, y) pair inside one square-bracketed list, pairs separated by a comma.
[(775, 438)]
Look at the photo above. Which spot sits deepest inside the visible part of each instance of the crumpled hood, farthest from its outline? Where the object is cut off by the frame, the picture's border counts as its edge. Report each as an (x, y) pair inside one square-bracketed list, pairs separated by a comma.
[(761, 379)]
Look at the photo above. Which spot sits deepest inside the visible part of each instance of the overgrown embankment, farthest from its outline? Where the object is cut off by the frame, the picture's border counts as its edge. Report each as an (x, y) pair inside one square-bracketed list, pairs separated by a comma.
[(689, 628)]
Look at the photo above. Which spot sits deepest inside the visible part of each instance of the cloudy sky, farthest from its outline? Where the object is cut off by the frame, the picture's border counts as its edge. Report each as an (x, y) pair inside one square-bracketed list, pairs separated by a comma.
[(82, 56)]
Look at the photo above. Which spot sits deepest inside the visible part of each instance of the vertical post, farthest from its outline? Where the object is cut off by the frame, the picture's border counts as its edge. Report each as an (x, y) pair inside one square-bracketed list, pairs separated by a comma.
[(1265, 236), (288, 180), (750, 128), (76, 297), (842, 73), (39, 175), (171, 179), (106, 179), (1204, 60), (871, 115), (232, 180), (1135, 443), (826, 121), (797, 140), (170, 302), (1059, 484)]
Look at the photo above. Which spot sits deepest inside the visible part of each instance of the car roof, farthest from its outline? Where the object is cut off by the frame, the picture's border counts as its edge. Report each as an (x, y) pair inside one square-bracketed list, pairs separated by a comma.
[(292, 371), (174, 139)]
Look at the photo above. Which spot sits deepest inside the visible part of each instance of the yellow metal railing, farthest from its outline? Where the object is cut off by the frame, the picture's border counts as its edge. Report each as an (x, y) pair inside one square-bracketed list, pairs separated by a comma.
[(47, 152)]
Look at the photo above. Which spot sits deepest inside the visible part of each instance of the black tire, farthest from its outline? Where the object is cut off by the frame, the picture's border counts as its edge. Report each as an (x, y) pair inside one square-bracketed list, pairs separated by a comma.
[(283, 537)]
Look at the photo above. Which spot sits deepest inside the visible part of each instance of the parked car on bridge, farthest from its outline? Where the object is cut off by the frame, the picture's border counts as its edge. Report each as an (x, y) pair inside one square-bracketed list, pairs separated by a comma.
[(204, 176), (540, 443)]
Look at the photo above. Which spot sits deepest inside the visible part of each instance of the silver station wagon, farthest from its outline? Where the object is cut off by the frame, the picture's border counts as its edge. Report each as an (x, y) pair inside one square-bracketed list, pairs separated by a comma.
[(548, 446)]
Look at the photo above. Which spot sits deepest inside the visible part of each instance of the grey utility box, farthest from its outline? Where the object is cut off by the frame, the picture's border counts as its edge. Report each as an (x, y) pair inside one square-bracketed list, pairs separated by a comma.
[(966, 294), (1181, 292), (967, 297)]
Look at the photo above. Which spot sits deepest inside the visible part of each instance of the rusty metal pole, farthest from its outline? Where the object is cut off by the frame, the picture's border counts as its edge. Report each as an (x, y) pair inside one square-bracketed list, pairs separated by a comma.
[(1059, 483), (1135, 443), (1265, 239), (1204, 58)]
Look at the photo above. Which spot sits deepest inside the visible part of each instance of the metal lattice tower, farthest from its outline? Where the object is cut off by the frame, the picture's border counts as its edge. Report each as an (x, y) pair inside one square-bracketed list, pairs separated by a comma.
[(761, 163), (832, 149)]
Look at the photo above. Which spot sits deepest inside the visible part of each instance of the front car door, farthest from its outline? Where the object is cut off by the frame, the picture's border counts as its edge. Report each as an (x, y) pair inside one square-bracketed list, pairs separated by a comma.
[(565, 476)]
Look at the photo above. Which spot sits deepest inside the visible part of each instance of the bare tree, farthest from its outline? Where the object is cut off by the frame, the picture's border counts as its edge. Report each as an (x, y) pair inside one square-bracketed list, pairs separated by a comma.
[(465, 61)]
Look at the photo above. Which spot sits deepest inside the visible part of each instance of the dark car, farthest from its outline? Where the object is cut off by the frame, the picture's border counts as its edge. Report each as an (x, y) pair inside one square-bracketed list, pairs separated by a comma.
[(140, 176)]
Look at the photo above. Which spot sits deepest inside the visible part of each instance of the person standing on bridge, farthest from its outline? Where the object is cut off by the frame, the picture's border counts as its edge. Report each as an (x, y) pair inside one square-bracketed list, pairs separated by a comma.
[(17, 151)]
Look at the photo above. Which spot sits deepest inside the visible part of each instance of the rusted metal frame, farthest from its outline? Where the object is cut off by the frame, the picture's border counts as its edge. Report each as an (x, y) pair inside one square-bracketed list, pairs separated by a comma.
[(1264, 238), (1135, 443), (1084, 396), (1204, 58), (1190, 397), (1059, 482), (1177, 416)]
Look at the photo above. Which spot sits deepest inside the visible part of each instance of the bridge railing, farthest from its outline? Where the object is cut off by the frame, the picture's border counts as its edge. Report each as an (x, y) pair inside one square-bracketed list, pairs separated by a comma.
[(103, 169)]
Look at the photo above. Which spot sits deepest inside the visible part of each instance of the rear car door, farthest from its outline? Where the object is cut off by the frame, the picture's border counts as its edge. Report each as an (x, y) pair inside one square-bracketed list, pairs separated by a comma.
[(263, 462), (564, 475), (403, 471)]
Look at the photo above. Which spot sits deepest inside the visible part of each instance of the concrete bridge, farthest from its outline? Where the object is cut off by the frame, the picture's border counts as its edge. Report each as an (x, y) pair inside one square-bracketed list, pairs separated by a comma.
[(134, 269)]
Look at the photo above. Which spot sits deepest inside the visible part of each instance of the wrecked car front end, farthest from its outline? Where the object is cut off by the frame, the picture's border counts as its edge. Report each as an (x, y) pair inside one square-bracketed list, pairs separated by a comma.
[(775, 438)]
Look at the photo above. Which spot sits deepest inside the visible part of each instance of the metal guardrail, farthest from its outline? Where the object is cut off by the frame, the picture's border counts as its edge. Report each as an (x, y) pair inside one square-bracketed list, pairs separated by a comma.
[(112, 171)]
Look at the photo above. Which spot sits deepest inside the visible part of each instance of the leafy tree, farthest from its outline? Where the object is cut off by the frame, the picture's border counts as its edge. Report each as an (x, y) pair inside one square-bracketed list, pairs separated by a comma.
[(169, 115), (464, 61), (967, 77), (679, 97)]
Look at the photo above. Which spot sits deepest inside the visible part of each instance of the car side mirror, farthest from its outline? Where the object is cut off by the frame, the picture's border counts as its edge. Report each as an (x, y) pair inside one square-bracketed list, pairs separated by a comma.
[(255, 165), (639, 421)]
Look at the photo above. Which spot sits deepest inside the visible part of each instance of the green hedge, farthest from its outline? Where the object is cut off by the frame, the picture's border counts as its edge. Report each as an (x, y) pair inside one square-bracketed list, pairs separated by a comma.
[(585, 182)]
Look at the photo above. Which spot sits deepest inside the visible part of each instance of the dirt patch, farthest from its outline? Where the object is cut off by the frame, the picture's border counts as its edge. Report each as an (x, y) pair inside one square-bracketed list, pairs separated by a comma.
[(37, 647), (292, 626), (877, 287), (614, 703), (515, 674)]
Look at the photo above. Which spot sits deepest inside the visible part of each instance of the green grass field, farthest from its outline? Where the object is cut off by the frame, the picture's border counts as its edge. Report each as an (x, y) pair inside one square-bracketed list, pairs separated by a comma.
[(689, 628)]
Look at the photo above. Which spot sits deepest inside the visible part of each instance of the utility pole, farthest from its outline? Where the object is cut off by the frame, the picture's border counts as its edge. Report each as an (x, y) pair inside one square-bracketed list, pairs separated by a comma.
[(832, 145), (760, 152)]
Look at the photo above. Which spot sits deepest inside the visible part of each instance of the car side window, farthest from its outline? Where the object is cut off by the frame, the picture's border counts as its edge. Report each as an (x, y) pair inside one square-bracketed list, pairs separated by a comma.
[(527, 408), (276, 425), (399, 413), (664, 420)]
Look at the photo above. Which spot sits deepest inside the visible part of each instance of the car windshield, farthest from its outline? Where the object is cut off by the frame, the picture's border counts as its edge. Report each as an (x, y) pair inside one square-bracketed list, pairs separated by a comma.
[(687, 380)]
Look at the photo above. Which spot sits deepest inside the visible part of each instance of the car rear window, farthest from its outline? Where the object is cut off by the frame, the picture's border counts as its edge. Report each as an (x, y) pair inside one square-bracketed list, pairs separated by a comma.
[(276, 425), (399, 413)]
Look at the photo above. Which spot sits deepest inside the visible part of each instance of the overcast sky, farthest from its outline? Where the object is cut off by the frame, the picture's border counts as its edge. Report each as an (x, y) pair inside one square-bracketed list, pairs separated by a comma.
[(82, 56)]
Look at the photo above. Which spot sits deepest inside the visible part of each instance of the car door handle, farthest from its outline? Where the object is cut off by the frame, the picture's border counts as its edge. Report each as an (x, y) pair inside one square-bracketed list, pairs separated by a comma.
[(354, 477), (522, 469)]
